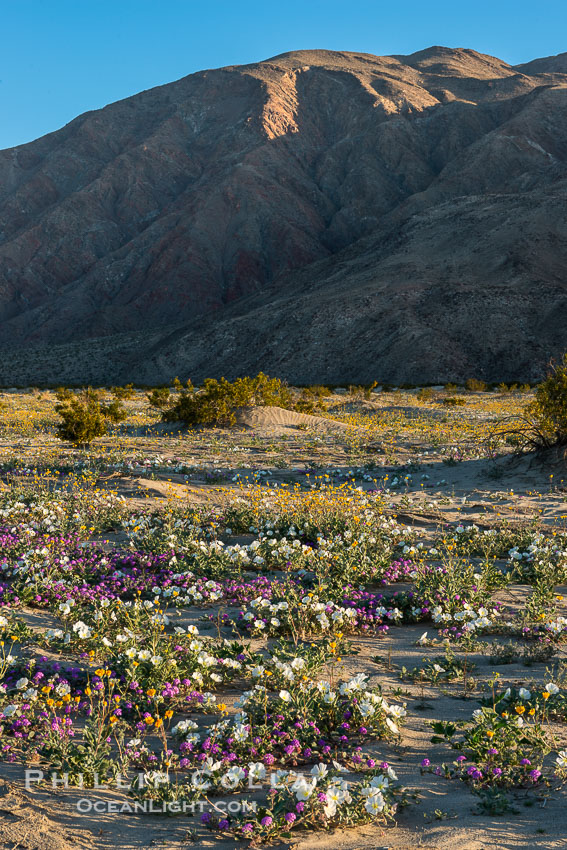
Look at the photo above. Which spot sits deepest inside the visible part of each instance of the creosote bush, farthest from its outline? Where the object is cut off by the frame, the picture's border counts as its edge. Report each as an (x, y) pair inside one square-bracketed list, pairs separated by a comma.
[(542, 424), (548, 411), (217, 401), (84, 417), (159, 397), (473, 385), (122, 393)]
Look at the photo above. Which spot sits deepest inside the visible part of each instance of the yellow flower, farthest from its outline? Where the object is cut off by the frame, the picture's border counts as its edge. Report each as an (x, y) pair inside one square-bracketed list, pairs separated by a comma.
[(148, 721), (88, 691), (520, 709), (546, 694), (531, 711), (169, 713), (151, 692), (489, 733)]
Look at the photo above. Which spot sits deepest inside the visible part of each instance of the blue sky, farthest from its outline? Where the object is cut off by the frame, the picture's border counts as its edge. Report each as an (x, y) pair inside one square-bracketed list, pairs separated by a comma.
[(61, 58)]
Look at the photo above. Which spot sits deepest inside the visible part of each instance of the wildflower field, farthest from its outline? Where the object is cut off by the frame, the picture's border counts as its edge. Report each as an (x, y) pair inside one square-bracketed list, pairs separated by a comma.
[(252, 636)]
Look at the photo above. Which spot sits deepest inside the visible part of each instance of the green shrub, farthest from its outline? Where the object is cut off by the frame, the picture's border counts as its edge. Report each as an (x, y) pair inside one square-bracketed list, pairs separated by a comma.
[(114, 412), (310, 400), (454, 401), (475, 386), (159, 397), (82, 418), (122, 393), (216, 402), (546, 415)]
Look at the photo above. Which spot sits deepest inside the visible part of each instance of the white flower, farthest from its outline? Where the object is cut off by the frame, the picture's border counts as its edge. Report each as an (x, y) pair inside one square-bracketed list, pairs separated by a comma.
[(523, 693), (374, 803), (199, 782), (256, 771), (22, 683), (303, 789), (561, 759), (240, 733), (392, 726), (330, 808), (233, 777), (319, 770), (551, 689), (285, 696), (380, 783)]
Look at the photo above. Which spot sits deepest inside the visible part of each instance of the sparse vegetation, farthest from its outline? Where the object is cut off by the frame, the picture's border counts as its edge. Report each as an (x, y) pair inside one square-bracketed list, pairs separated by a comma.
[(300, 562)]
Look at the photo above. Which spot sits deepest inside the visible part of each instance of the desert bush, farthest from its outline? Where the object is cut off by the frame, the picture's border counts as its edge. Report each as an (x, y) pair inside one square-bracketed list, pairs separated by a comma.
[(454, 401), (114, 412), (82, 418), (310, 400), (542, 423), (369, 388), (473, 385), (122, 393), (548, 411), (425, 394), (63, 393), (217, 401), (159, 397)]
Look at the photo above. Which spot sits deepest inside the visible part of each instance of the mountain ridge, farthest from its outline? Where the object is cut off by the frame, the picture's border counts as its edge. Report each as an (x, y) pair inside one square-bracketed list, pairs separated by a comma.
[(311, 181)]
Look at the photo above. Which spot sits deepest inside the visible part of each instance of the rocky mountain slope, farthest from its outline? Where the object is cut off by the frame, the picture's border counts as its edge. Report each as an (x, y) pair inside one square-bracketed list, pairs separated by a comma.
[(323, 216)]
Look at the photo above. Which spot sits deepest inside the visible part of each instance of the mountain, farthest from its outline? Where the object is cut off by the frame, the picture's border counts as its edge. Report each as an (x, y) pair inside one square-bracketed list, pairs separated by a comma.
[(323, 216)]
